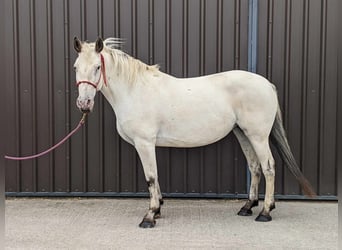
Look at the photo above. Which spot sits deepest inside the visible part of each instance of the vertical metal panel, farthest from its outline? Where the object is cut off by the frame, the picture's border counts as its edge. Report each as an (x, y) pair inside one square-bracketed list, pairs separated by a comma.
[(78, 141), (293, 53), (11, 87), (186, 38), (42, 100), (330, 99)]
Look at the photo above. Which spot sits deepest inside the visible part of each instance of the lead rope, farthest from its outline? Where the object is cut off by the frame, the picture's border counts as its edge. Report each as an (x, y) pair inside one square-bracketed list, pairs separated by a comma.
[(82, 121)]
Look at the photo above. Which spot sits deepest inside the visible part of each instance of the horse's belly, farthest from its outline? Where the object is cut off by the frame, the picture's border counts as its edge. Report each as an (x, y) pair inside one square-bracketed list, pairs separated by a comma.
[(183, 143), (192, 135)]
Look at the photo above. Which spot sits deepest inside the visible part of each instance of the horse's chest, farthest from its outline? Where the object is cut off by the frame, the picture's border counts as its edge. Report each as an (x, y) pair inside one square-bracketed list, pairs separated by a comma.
[(123, 133)]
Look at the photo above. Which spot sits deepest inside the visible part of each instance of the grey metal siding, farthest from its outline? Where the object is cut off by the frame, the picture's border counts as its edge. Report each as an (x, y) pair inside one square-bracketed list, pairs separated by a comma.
[(186, 38), (297, 51)]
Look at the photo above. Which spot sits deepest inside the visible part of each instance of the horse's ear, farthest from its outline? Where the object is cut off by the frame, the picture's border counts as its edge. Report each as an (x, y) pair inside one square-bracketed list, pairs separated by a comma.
[(99, 45), (77, 45)]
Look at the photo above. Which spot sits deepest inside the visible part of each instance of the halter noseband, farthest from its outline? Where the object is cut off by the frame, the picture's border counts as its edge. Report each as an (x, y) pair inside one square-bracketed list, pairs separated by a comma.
[(103, 72)]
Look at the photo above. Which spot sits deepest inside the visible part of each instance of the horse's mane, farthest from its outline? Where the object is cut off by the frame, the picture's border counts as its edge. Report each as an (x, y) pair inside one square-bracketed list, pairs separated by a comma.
[(127, 67)]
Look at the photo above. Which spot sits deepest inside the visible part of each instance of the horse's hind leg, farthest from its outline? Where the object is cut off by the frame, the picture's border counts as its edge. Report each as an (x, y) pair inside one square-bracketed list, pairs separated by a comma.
[(263, 152), (157, 214), (254, 167), (146, 151)]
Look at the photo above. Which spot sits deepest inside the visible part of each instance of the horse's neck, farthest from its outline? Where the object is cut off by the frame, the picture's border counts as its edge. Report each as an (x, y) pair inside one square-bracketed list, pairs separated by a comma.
[(111, 90), (115, 92), (119, 89)]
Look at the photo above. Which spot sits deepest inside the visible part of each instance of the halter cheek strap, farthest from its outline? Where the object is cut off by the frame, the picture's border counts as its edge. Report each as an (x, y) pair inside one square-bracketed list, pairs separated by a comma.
[(103, 69), (103, 73)]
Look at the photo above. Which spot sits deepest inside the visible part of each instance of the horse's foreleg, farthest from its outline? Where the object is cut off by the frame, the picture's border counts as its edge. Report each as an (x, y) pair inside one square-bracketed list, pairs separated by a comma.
[(147, 155), (254, 167)]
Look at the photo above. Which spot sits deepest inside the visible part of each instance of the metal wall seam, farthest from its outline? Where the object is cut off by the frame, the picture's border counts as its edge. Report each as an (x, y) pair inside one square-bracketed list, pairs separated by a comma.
[(252, 51), (101, 186), (219, 69), (33, 90), (84, 131), (237, 34), (185, 20), (67, 91), (50, 90), (16, 56), (323, 31), (201, 72), (252, 35), (151, 32), (304, 79)]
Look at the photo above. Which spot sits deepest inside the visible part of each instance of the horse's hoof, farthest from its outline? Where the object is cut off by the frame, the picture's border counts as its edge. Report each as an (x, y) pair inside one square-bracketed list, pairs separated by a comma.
[(245, 212), (263, 218), (147, 223)]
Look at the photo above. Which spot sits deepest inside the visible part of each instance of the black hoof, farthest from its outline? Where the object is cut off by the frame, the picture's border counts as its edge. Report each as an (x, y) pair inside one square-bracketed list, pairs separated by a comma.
[(263, 218), (146, 223), (245, 212)]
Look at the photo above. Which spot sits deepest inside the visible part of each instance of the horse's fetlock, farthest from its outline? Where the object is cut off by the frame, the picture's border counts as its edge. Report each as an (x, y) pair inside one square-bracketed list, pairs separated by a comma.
[(150, 182), (272, 206), (254, 203), (155, 209)]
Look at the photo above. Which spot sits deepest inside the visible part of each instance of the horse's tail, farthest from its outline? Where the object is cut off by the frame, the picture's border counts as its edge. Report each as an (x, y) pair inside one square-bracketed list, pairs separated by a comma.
[(278, 138)]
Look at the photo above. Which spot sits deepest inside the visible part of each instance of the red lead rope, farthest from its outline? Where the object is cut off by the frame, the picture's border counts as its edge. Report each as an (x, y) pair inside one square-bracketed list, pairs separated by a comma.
[(82, 121)]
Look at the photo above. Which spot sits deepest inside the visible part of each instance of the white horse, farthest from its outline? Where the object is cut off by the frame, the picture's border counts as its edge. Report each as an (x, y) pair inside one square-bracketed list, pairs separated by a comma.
[(155, 109)]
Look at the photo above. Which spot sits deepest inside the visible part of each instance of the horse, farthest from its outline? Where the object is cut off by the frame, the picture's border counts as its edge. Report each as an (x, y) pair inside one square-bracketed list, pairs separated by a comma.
[(154, 109)]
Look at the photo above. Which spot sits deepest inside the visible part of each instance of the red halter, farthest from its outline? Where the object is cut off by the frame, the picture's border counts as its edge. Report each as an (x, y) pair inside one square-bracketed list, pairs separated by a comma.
[(103, 72)]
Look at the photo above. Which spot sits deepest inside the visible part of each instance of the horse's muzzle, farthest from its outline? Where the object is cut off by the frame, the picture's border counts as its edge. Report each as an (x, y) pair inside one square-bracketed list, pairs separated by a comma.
[(85, 105)]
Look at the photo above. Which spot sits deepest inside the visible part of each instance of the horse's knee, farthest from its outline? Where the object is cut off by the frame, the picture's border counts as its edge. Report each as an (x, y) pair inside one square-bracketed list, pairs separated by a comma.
[(268, 168), (255, 168), (269, 173)]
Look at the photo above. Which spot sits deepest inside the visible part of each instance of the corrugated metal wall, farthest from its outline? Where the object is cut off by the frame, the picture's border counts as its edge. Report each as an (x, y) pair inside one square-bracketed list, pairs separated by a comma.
[(296, 50)]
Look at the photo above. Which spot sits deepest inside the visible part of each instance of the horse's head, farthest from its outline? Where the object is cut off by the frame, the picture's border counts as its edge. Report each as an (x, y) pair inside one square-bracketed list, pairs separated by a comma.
[(90, 72)]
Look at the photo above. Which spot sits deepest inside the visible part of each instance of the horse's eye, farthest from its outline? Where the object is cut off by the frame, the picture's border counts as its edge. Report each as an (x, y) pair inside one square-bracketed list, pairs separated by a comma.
[(98, 67)]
